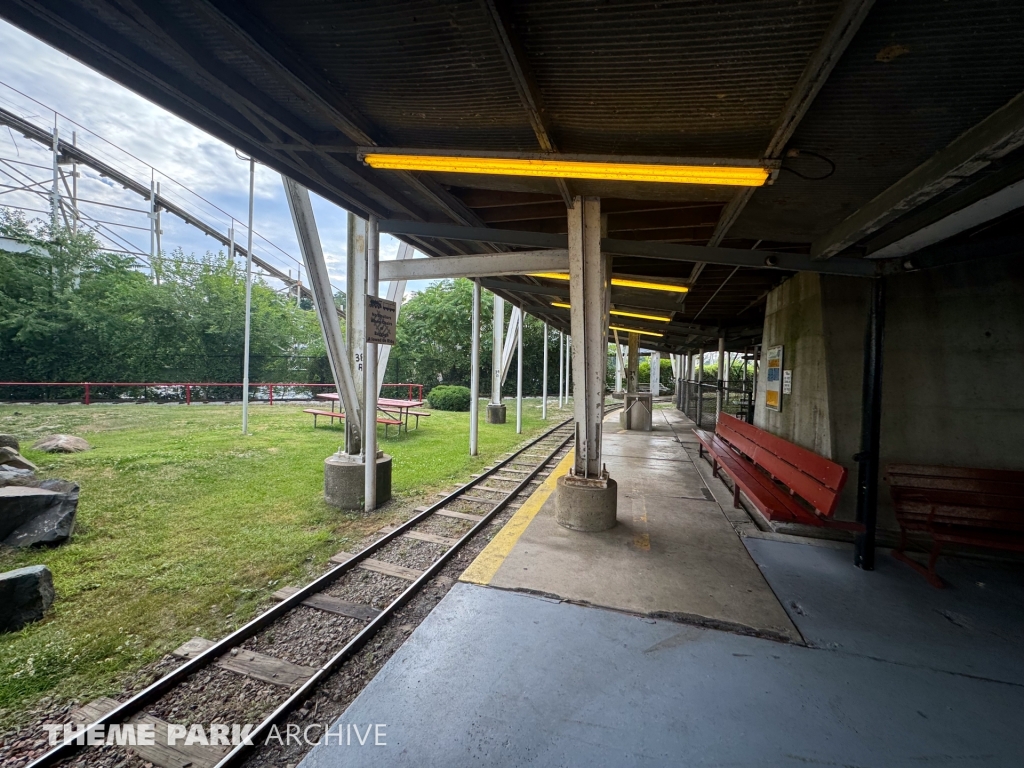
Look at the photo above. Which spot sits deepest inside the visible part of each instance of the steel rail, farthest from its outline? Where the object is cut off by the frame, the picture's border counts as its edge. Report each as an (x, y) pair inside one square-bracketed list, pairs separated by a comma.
[(157, 689)]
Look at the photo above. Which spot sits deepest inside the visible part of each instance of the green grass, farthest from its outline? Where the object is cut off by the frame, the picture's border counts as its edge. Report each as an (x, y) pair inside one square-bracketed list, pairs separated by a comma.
[(184, 526)]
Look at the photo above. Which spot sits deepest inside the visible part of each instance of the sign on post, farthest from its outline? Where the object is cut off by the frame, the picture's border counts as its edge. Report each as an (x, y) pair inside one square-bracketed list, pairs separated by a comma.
[(381, 320), (773, 389)]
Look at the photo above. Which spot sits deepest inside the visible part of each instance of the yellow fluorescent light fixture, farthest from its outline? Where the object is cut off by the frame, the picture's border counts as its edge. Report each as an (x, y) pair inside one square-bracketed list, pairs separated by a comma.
[(622, 313), (622, 282), (726, 175), (620, 329)]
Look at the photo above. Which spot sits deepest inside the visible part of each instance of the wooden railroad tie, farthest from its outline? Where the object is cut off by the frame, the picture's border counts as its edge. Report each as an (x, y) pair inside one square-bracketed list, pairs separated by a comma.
[(331, 605), (433, 538), (457, 515), (379, 566), (159, 753), (250, 663)]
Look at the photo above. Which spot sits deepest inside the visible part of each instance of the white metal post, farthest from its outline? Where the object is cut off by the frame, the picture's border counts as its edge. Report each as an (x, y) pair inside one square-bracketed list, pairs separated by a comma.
[(474, 375), (370, 408), (544, 385), (74, 186), (655, 376), (248, 301), (152, 231), (561, 366), (498, 339), (618, 366), (568, 367), (159, 228), (55, 192), (519, 376), (355, 323)]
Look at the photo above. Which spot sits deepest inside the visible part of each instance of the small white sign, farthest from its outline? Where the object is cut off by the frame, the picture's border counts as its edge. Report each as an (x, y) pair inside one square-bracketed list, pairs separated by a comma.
[(787, 382), (381, 320)]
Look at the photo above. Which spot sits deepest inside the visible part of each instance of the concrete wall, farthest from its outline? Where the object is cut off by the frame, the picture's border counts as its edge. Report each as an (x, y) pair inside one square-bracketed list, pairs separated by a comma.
[(953, 368)]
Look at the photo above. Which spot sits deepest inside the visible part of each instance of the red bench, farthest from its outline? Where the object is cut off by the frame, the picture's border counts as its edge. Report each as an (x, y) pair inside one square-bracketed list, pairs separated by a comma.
[(956, 505), (340, 415), (783, 481)]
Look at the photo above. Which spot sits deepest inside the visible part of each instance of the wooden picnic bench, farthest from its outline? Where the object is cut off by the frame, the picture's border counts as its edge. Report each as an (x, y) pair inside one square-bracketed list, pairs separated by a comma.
[(956, 505), (387, 422), (407, 413), (783, 481)]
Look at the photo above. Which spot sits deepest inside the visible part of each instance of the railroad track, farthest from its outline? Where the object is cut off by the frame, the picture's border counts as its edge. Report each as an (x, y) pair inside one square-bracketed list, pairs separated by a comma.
[(395, 560)]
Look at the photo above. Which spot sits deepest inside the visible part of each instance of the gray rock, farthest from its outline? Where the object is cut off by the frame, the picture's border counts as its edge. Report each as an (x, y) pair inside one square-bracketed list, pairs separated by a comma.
[(38, 515), (61, 444), (11, 458), (14, 476), (25, 596), (9, 441)]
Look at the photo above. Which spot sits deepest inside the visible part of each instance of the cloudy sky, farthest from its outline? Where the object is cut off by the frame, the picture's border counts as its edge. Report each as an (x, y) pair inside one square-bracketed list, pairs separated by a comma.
[(196, 170)]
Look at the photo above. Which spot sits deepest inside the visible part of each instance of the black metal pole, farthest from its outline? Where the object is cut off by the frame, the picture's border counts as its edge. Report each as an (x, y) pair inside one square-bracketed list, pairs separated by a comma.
[(870, 430)]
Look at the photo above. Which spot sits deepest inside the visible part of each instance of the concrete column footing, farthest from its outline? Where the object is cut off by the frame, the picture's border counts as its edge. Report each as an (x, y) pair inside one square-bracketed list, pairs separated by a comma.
[(586, 504), (344, 481), (495, 413)]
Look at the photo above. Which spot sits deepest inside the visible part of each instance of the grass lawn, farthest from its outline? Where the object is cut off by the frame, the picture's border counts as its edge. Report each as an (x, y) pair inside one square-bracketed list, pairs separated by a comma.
[(184, 526)]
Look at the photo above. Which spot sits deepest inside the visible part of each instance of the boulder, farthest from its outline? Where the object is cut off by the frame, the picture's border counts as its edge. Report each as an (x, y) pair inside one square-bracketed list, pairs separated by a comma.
[(25, 596), (9, 441), (61, 444), (15, 476), (11, 458), (43, 513)]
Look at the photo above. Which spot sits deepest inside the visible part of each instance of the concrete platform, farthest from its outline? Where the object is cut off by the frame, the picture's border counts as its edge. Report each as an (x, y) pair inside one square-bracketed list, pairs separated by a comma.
[(499, 678), (975, 627), (673, 553)]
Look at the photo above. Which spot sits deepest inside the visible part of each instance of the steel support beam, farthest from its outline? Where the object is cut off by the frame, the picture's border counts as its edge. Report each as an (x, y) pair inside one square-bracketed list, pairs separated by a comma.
[(476, 265), (590, 297), (664, 251), (370, 356), (870, 430), (844, 25), (497, 340), (474, 375), (994, 137), (323, 295), (396, 290), (355, 325), (515, 319)]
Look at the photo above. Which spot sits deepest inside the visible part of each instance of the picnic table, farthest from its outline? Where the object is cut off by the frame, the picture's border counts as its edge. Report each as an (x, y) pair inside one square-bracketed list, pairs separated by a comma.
[(402, 408)]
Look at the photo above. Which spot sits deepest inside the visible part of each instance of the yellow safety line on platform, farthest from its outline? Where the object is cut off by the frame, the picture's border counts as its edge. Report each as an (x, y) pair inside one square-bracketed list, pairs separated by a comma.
[(487, 563)]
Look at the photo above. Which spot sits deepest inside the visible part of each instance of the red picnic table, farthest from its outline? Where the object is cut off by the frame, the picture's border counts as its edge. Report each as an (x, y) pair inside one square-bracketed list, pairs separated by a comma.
[(403, 409)]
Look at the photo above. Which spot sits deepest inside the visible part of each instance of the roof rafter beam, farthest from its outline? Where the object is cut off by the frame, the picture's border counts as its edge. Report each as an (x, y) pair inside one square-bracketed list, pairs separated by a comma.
[(994, 137), (475, 265), (529, 94), (840, 32)]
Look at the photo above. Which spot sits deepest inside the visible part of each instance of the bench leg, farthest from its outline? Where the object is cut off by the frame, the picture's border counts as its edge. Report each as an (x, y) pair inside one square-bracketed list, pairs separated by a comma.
[(928, 572), (714, 468), (700, 450), (735, 494)]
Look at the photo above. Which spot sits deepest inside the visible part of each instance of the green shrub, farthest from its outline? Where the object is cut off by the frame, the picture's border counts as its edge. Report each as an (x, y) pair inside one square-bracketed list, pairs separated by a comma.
[(450, 398)]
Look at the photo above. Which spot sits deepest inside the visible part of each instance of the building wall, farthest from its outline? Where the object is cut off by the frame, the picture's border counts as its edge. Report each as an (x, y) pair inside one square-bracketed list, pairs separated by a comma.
[(953, 368)]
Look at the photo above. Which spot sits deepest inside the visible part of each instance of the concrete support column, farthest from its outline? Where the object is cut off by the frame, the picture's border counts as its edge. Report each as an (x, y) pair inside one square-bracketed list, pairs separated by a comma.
[(586, 498), (496, 408), (655, 374), (355, 323), (618, 368), (474, 376)]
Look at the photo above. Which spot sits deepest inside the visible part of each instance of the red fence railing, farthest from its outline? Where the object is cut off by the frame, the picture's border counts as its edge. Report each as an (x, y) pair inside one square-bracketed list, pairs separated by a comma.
[(184, 389)]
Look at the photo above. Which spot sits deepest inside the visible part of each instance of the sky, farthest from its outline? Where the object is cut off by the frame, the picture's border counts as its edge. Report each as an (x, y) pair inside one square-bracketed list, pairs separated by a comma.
[(137, 136)]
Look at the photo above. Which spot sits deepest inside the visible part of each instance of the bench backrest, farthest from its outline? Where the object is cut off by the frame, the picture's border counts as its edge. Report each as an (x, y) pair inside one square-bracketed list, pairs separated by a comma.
[(813, 478), (992, 498)]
